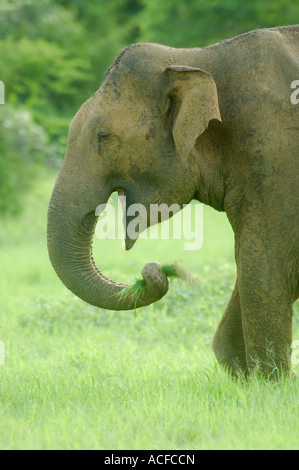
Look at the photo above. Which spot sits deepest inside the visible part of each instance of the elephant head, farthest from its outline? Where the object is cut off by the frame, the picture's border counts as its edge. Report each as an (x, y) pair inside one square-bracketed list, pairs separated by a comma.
[(135, 135)]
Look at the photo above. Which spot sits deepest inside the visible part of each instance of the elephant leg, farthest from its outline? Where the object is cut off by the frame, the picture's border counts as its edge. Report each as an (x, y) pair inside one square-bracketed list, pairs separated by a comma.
[(266, 299), (267, 324), (228, 344)]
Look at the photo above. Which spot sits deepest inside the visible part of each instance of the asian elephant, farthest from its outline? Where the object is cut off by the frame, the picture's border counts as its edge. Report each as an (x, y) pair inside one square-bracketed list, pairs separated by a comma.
[(217, 124)]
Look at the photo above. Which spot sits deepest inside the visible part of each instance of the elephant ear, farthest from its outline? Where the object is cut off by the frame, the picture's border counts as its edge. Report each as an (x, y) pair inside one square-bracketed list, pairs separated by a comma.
[(189, 104)]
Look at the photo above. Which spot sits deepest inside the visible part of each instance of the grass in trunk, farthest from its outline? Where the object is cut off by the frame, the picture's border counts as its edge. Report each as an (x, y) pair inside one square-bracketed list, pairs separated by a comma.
[(172, 271)]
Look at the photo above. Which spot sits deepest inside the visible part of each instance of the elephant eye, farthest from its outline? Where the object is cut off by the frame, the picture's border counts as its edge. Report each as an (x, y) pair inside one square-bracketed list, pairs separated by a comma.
[(108, 143), (101, 139)]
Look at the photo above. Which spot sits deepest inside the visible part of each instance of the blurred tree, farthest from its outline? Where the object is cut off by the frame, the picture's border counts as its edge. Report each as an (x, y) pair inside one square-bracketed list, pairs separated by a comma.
[(109, 26), (39, 63), (54, 52), (39, 60), (197, 23), (40, 73), (23, 144)]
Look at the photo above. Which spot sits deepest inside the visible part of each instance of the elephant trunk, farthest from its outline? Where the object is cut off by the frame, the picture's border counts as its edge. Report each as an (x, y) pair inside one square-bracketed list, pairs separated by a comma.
[(69, 238)]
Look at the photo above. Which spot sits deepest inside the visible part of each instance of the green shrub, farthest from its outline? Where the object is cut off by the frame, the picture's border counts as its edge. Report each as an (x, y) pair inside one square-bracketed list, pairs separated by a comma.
[(23, 144)]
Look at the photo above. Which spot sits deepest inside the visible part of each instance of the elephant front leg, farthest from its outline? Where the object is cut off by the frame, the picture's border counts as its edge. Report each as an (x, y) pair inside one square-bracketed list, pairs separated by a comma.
[(267, 323), (266, 307), (229, 344)]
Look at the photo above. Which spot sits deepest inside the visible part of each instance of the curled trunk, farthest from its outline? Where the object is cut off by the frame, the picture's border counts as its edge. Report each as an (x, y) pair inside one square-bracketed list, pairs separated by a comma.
[(69, 238)]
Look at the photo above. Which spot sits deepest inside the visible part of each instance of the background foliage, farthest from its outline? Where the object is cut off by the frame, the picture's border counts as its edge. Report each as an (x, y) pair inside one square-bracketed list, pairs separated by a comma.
[(54, 54)]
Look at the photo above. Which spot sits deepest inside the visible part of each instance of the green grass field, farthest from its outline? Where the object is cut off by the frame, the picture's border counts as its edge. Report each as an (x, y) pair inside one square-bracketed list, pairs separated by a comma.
[(78, 377)]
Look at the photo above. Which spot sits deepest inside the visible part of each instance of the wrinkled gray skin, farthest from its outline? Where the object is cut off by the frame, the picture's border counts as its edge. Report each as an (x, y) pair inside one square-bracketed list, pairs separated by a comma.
[(215, 124)]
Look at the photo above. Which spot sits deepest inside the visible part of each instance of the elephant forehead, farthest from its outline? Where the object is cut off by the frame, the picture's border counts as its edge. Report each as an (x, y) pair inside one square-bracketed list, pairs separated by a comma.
[(126, 117)]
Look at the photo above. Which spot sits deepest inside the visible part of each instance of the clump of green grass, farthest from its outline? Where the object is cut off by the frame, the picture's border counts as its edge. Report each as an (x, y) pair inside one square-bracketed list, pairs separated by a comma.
[(172, 271), (135, 290), (176, 271)]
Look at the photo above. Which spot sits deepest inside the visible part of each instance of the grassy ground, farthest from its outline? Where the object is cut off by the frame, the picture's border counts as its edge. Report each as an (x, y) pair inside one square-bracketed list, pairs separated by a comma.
[(77, 377)]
